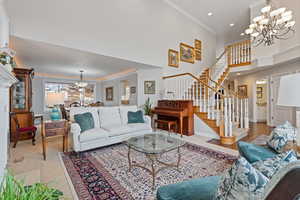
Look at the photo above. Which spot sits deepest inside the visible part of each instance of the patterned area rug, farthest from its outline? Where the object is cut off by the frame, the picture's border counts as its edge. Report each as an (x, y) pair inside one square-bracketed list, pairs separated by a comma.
[(103, 173)]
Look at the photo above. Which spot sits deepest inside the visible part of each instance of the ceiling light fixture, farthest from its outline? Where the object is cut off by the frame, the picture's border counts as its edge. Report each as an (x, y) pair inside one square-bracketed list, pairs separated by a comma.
[(238, 74), (231, 25), (210, 14), (242, 34), (270, 25), (81, 84)]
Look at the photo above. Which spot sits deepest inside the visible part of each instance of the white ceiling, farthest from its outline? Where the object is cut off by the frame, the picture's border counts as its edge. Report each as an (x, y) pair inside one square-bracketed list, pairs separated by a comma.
[(224, 12), (56, 60)]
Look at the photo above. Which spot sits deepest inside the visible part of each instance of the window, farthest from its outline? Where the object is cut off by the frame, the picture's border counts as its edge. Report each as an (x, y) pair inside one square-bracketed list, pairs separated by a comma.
[(71, 92)]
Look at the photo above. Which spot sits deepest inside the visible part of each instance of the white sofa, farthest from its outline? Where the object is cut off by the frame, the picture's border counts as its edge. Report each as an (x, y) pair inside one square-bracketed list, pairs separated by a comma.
[(111, 127)]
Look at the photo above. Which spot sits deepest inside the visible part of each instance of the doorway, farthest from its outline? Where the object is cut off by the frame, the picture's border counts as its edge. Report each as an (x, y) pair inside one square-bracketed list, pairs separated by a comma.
[(262, 100)]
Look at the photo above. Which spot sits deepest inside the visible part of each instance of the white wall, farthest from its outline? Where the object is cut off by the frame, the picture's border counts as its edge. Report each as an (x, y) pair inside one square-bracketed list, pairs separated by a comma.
[(117, 89), (38, 91), (136, 30)]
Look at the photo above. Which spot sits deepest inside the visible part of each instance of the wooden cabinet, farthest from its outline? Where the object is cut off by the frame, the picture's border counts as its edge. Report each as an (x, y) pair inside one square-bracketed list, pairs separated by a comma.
[(21, 101)]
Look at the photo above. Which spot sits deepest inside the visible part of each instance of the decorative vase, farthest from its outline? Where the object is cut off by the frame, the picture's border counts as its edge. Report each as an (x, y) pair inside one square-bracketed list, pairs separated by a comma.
[(55, 115), (8, 67)]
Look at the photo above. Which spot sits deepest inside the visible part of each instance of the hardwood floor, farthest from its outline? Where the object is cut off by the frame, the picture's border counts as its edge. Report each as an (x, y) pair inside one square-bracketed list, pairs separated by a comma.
[(256, 129)]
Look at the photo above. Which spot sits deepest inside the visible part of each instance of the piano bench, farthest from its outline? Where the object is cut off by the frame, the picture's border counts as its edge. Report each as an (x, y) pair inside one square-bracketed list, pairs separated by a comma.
[(169, 123)]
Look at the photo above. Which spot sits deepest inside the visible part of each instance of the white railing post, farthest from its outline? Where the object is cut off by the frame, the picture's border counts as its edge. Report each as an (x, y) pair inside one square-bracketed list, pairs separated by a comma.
[(229, 117), (225, 117), (246, 113)]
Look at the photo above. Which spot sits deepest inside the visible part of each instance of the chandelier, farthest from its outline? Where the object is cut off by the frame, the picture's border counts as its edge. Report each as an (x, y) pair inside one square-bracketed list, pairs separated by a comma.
[(270, 25), (81, 84)]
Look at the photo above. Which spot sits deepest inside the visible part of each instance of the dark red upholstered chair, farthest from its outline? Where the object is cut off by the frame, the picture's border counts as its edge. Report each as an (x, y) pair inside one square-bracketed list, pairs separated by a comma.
[(21, 130)]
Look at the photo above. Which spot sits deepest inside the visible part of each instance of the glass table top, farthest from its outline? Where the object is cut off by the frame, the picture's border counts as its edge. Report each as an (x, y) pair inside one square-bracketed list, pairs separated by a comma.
[(154, 143)]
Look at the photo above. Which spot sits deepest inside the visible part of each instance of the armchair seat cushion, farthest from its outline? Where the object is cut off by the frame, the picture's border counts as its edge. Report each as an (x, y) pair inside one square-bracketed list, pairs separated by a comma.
[(195, 189), (254, 153), (27, 129)]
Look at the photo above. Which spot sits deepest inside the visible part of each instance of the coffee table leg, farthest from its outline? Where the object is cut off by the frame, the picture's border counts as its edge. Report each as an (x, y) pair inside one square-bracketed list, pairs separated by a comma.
[(129, 160), (152, 159), (179, 158)]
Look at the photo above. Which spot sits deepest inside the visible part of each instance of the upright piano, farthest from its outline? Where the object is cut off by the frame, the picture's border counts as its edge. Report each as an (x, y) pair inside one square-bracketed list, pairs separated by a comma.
[(179, 110)]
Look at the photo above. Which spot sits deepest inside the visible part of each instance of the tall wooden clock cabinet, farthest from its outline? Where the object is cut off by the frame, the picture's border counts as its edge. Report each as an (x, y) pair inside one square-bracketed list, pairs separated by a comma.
[(21, 102)]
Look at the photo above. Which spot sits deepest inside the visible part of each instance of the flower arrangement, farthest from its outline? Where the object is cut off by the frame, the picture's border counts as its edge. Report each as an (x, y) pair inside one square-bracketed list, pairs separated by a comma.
[(6, 57)]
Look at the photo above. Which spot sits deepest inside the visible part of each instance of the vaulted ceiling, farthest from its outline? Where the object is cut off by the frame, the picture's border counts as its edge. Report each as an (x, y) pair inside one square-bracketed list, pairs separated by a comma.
[(224, 13)]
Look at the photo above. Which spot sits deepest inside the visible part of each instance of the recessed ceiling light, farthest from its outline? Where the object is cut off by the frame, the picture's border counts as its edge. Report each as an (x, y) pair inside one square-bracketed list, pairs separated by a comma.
[(238, 74), (210, 14), (231, 25), (242, 34)]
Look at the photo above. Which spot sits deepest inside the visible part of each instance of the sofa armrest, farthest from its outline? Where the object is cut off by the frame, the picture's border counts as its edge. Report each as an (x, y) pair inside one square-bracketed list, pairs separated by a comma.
[(284, 184), (147, 120), (75, 130)]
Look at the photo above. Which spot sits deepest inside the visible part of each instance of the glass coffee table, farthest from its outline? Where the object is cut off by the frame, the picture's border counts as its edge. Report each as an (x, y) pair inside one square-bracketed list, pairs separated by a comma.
[(153, 146)]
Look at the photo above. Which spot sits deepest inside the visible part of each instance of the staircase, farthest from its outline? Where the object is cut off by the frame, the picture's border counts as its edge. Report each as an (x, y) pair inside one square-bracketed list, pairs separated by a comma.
[(223, 111)]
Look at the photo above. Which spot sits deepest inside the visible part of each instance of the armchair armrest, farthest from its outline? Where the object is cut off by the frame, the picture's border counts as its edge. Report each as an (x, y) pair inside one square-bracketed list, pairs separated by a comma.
[(75, 130)]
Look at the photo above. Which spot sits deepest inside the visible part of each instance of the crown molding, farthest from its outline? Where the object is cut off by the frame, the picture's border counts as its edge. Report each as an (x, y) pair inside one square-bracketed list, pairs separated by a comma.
[(185, 13)]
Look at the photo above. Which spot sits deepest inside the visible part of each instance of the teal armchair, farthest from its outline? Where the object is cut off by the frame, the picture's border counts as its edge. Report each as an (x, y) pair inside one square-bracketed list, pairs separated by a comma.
[(195, 189)]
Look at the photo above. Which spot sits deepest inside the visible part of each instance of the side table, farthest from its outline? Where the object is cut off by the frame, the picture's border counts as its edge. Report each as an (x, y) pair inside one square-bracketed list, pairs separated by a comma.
[(55, 129)]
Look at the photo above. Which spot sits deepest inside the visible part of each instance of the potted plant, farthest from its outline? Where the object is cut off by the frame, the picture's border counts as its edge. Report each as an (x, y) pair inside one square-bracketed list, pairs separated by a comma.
[(11, 189), (147, 107), (6, 58)]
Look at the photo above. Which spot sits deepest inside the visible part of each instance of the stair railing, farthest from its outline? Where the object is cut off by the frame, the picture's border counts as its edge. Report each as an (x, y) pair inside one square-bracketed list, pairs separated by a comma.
[(239, 54), (207, 99)]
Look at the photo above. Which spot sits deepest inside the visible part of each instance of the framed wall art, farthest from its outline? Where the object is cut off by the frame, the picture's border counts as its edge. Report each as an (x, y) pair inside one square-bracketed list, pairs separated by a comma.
[(187, 53), (173, 58), (109, 93), (198, 44), (132, 90), (198, 55), (149, 87), (242, 90)]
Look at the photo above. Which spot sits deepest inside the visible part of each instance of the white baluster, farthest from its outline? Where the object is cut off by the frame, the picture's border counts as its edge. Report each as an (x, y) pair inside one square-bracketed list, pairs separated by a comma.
[(246, 113), (230, 117), (201, 98), (242, 113), (225, 117)]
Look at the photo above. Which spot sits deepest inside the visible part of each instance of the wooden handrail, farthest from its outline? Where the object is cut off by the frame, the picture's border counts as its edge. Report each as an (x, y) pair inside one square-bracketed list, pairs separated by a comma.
[(221, 86), (199, 81)]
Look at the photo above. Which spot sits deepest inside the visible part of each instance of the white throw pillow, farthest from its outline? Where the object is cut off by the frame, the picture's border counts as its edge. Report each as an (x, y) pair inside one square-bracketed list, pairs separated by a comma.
[(110, 116)]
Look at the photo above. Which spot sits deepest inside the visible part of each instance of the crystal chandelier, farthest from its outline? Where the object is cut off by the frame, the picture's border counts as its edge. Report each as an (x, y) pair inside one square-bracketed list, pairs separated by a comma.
[(81, 84), (270, 25)]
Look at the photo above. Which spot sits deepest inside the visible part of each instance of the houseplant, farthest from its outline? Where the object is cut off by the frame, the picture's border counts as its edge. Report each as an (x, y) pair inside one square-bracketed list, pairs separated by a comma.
[(6, 58), (147, 107), (12, 189)]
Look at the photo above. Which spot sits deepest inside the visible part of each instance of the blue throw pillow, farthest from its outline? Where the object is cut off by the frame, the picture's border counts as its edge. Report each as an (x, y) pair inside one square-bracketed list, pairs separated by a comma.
[(85, 121), (242, 181), (270, 166), (281, 135), (135, 117)]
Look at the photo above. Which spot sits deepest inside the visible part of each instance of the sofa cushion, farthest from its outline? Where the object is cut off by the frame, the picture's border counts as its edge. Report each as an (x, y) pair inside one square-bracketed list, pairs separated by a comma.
[(139, 127), (242, 181), (135, 117), (124, 112), (93, 134), (270, 166), (117, 130), (254, 152), (81, 110), (281, 135), (85, 121), (110, 116), (195, 189)]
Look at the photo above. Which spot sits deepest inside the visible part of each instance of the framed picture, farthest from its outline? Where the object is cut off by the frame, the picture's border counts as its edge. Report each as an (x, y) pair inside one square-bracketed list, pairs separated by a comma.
[(242, 90), (198, 45), (132, 90), (149, 87), (259, 92), (173, 58), (109, 92), (198, 55), (187, 53)]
